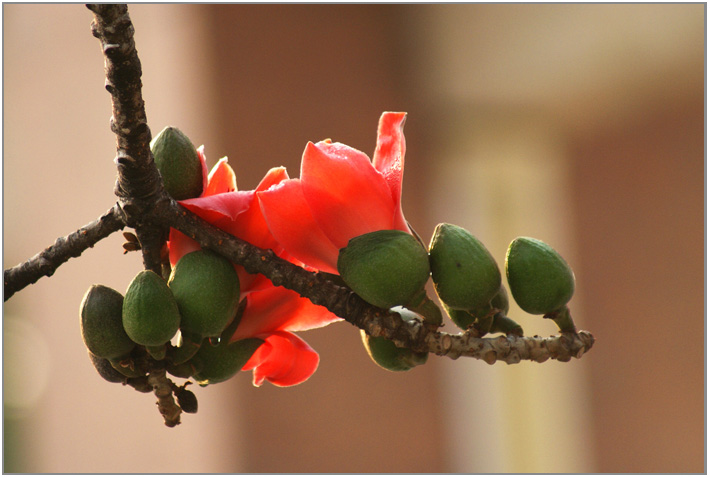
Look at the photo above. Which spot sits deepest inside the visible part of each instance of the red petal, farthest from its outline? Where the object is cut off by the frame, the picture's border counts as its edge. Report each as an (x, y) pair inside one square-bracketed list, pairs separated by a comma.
[(389, 158), (290, 221), (276, 308), (203, 162), (180, 244), (345, 193), (221, 179), (284, 360), (226, 205), (273, 177)]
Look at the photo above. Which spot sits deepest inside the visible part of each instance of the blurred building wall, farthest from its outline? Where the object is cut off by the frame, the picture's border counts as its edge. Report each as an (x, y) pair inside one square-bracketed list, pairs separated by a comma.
[(579, 124)]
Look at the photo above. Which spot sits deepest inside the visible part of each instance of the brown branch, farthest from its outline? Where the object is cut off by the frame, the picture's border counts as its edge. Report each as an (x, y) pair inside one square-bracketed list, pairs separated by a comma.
[(45, 263), (340, 300), (139, 185)]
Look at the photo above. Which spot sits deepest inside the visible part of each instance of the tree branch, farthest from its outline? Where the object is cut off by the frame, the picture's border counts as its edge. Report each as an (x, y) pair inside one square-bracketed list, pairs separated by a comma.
[(138, 178), (322, 290), (46, 262), (139, 185)]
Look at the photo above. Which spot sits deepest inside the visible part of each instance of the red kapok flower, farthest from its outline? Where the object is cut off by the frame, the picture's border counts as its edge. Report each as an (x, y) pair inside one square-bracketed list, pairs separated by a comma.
[(272, 313), (340, 195)]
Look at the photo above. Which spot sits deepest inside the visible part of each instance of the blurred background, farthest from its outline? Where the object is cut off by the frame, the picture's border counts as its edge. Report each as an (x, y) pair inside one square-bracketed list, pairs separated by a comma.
[(579, 124)]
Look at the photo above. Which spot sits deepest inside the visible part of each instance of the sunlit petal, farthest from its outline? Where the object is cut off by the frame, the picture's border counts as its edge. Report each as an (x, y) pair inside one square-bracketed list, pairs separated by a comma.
[(290, 221), (345, 193), (283, 360)]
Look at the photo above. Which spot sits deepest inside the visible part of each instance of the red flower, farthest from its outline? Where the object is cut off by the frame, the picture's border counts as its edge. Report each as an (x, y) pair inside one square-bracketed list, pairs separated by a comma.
[(340, 195), (272, 313)]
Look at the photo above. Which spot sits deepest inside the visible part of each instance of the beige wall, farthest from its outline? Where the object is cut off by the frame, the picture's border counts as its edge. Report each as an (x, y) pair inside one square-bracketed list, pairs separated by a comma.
[(579, 124)]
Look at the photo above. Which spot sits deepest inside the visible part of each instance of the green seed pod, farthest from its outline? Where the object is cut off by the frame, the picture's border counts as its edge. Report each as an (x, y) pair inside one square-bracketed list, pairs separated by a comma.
[(540, 280), (206, 289), (465, 274), (182, 370), (150, 314), (385, 268), (216, 364), (105, 370), (461, 318), (102, 325), (389, 356), (178, 163), (500, 301)]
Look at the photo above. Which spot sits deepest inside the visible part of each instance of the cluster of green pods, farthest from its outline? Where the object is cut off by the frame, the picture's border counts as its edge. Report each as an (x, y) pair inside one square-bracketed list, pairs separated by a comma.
[(390, 268), (197, 308), (185, 321)]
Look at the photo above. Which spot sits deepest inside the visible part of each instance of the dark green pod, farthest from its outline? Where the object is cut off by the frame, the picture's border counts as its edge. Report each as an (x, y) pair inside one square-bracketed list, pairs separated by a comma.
[(540, 280), (150, 313), (102, 324), (386, 268), (179, 165), (105, 370), (206, 289), (216, 364), (465, 274), (389, 356)]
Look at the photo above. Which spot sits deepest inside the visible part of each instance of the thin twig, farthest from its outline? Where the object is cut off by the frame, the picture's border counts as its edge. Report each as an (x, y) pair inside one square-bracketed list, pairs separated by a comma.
[(46, 262)]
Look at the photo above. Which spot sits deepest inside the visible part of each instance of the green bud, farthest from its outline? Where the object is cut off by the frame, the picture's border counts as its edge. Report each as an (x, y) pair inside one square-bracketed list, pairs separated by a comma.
[(179, 165), (206, 288), (461, 318), (182, 370), (389, 356), (465, 274), (105, 370), (385, 268), (102, 324), (540, 280), (150, 313), (216, 364)]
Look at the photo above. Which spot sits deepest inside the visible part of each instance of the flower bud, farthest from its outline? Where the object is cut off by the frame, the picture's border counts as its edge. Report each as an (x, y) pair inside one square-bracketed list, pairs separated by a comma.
[(385, 268), (150, 314), (389, 356), (216, 364), (465, 274), (206, 288), (102, 325), (540, 280), (178, 163)]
